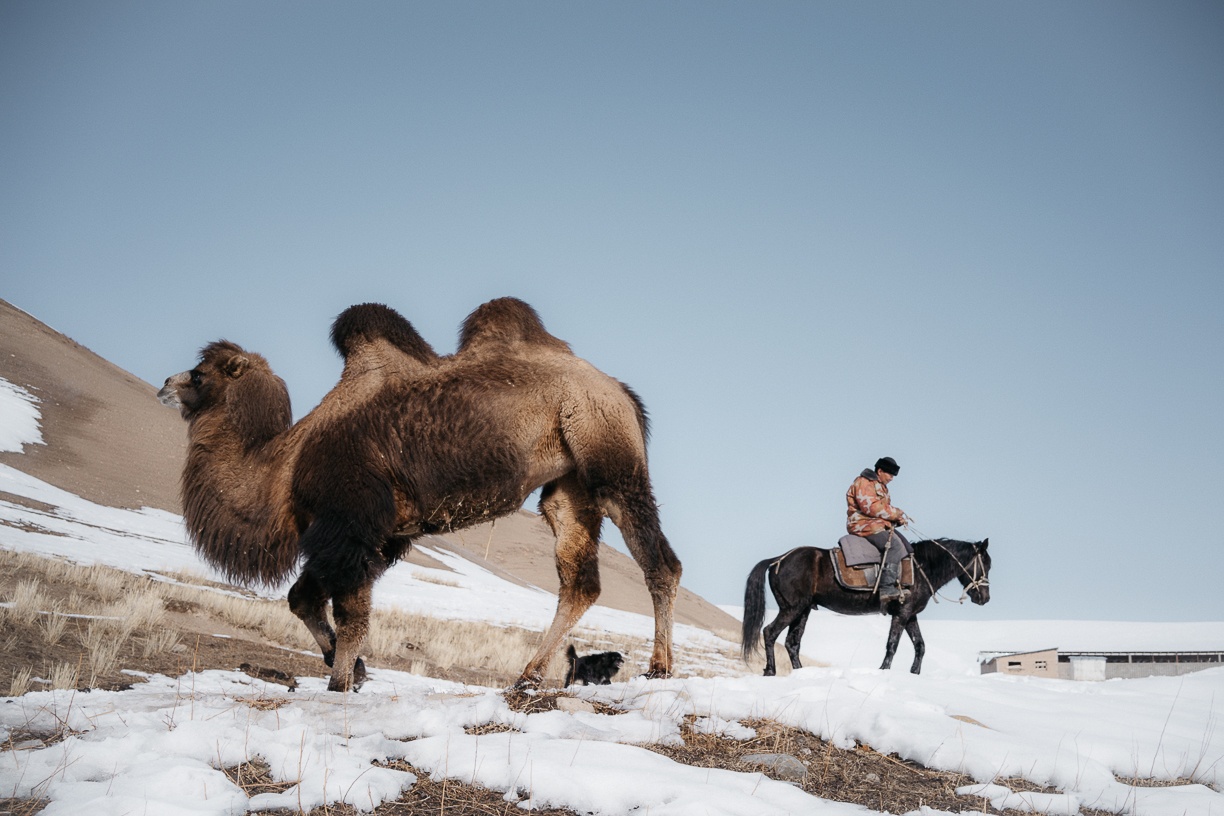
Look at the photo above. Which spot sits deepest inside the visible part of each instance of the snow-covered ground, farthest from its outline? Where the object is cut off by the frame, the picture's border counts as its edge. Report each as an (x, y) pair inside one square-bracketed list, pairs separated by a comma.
[(157, 747)]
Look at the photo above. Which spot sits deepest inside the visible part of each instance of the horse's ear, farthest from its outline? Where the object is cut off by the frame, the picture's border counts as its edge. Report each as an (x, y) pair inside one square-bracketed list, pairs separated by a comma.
[(985, 543), (236, 365)]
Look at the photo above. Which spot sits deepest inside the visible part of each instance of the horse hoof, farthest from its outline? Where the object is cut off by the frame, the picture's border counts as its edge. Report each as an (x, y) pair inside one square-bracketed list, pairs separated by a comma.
[(657, 674)]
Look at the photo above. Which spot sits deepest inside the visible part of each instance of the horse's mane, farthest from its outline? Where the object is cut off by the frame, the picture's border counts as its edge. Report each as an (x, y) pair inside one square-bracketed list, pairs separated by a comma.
[(940, 556), (367, 322), (506, 321)]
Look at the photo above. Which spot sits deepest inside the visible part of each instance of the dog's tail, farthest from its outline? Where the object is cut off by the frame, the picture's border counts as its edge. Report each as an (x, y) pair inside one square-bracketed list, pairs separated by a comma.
[(572, 655)]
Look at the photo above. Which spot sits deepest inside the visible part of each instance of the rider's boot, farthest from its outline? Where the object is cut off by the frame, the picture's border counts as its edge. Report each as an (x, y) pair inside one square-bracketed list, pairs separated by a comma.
[(890, 590)]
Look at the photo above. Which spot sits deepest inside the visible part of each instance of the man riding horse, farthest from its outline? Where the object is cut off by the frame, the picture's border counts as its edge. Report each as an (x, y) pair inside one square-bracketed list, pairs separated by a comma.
[(871, 515)]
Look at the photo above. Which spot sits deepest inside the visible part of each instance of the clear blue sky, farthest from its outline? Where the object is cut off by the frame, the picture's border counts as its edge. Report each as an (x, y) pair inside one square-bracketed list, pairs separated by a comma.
[(986, 239)]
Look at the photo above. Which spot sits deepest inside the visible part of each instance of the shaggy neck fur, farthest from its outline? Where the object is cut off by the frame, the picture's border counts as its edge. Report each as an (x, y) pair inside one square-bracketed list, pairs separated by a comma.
[(235, 492)]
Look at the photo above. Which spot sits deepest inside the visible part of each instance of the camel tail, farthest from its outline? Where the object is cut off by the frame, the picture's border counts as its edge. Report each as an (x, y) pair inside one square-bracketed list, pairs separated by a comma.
[(754, 610), (639, 408)]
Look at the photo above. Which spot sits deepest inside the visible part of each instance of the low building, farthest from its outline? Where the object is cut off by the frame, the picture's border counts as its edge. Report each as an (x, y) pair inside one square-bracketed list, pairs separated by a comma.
[(1042, 663), (1090, 665)]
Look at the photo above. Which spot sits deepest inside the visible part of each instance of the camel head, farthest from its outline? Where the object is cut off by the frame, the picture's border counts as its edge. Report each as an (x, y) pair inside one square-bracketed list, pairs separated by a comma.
[(238, 383)]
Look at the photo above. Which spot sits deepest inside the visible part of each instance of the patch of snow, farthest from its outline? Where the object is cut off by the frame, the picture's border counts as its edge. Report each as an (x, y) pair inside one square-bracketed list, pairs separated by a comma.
[(19, 418)]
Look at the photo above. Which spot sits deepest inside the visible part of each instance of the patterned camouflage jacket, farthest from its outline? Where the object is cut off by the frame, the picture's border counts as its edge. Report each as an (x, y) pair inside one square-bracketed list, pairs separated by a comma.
[(868, 507)]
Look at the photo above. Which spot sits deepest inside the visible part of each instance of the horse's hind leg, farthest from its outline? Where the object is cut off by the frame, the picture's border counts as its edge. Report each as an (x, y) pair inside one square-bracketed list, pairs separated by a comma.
[(794, 636), (787, 617), (308, 600), (575, 520), (634, 511)]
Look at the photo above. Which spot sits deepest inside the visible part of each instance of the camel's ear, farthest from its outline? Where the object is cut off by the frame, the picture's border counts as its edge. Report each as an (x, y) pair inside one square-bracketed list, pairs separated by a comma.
[(235, 366)]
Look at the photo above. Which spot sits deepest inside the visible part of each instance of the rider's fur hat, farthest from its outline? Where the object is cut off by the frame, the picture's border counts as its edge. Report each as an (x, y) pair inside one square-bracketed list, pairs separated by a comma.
[(888, 465)]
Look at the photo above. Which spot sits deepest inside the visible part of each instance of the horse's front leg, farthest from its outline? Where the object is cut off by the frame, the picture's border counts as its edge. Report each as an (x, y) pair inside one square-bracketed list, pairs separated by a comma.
[(894, 637), (915, 634)]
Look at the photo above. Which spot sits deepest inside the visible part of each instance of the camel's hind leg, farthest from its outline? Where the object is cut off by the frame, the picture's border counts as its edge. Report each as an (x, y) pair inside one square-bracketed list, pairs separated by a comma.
[(634, 511), (575, 520)]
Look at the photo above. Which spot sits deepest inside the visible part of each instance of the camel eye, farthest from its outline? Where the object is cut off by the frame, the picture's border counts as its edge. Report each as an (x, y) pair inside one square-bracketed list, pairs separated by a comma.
[(196, 378)]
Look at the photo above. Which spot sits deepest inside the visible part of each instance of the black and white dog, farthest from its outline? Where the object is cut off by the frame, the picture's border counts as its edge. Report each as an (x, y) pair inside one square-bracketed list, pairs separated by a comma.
[(593, 670)]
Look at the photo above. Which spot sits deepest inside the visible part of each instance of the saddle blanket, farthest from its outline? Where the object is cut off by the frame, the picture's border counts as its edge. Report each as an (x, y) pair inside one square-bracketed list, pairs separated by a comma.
[(859, 551), (863, 578)]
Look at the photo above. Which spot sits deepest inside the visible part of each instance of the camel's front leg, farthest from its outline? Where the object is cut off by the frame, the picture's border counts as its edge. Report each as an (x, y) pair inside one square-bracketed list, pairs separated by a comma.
[(575, 520), (352, 613), (308, 600)]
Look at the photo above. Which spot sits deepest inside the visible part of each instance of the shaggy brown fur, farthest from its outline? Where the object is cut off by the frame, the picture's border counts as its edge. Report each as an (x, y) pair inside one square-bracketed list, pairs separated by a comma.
[(410, 443)]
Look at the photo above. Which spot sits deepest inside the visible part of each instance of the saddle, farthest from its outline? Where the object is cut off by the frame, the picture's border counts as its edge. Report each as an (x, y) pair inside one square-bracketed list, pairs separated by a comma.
[(856, 565)]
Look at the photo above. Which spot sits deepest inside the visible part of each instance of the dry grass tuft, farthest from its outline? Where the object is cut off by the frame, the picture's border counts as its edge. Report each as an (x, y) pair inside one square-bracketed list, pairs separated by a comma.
[(22, 807), (255, 777), (64, 676), (27, 602), (19, 683)]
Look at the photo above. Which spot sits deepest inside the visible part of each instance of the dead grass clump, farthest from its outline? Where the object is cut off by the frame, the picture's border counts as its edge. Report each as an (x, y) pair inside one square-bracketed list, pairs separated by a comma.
[(64, 676), (531, 702), (160, 641), (110, 585), (53, 622), (501, 651), (488, 728), (19, 683), (860, 775), (102, 645), (27, 602), (23, 807), (255, 777), (1142, 782)]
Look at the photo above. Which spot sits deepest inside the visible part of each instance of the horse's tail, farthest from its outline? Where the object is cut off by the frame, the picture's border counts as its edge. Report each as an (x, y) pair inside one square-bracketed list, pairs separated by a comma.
[(754, 610)]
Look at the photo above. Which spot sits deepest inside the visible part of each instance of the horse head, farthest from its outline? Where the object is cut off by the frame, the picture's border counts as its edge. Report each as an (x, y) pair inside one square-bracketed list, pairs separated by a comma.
[(975, 573)]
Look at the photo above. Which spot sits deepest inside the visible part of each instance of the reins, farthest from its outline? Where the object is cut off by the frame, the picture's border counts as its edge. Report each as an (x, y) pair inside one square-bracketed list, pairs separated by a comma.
[(977, 577)]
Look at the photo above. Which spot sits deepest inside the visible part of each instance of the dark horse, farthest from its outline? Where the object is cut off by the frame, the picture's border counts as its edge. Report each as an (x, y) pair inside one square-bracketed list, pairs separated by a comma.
[(803, 579)]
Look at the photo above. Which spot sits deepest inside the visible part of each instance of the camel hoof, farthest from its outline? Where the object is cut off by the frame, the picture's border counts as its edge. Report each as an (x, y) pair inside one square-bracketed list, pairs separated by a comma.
[(359, 674), (338, 684), (529, 681)]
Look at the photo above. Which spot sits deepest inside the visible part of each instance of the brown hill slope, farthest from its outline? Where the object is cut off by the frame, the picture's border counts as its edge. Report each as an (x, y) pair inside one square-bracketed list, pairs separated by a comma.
[(107, 437), (110, 441)]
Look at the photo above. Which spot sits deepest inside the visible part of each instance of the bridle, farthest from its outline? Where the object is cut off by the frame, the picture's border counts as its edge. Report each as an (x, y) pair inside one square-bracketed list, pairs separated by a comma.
[(975, 571)]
